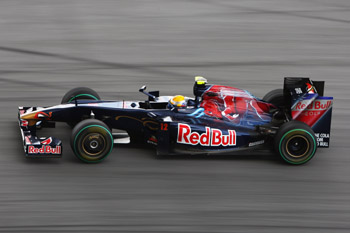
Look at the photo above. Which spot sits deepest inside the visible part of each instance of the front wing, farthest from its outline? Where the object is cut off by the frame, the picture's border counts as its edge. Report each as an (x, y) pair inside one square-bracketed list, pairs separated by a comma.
[(33, 145)]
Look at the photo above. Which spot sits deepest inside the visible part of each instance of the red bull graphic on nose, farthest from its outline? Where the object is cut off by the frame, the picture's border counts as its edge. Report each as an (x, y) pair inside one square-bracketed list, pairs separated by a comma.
[(211, 136)]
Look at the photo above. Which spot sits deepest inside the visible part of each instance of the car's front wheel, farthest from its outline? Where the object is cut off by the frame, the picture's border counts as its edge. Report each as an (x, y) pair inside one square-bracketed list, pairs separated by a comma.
[(295, 142), (78, 93), (91, 141)]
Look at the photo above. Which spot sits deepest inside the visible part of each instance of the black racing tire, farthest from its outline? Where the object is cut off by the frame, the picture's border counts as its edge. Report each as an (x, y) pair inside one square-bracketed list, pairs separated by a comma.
[(295, 142), (80, 93), (275, 97), (91, 141)]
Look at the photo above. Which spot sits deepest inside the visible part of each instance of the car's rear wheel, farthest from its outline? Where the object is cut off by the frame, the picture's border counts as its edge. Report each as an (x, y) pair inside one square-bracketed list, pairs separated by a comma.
[(295, 142), (275, 97), (79, 93), (91, 141)]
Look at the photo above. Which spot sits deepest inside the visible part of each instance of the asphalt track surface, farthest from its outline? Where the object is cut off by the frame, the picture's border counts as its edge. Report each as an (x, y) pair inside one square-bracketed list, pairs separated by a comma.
[(49, 47)]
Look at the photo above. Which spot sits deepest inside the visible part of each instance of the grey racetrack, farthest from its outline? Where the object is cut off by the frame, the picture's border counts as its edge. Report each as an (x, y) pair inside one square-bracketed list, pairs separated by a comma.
[(114, 47)]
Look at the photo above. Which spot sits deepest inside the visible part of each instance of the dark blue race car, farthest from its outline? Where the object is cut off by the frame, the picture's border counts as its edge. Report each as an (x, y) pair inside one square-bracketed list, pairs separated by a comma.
[(294, 120)]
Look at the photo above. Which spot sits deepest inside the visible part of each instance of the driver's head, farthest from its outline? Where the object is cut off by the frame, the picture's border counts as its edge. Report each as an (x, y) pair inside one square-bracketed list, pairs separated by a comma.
[(178, 101)]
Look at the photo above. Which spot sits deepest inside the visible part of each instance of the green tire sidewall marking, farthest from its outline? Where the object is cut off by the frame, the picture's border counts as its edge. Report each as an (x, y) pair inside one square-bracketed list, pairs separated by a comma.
[(76, 137), (71, 99), (304, 161)]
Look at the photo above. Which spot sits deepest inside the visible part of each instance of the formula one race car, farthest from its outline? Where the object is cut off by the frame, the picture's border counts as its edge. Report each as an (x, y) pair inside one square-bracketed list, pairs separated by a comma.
[(294, 121)]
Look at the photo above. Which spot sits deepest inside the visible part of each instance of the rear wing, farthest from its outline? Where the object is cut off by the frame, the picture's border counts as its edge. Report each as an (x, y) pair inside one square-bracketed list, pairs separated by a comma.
[(306, 102)]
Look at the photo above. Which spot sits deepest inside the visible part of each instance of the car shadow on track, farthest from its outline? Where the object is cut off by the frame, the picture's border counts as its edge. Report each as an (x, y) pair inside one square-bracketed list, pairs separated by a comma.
[(229, 157), (259, 155)]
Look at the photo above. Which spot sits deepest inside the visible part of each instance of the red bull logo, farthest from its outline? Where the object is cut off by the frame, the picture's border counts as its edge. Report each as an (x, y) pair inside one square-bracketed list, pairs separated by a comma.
[(316, 105), (311, 113), (211, 137), (44, 150)]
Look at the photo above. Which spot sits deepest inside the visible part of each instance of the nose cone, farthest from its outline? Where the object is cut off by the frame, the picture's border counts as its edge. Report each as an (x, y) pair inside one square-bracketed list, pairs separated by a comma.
[(28, 116), (34, 116)]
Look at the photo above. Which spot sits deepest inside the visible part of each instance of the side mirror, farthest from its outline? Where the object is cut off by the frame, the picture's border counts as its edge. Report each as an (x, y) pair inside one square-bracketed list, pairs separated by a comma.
[(150, 95), (143, 88)]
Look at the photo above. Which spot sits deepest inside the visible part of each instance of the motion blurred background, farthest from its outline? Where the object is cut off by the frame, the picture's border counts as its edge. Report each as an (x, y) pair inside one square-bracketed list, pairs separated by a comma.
[(114, 47)]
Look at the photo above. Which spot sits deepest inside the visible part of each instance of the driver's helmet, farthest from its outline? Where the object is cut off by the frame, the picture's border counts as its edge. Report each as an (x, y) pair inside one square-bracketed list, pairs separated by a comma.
[(178, 101)]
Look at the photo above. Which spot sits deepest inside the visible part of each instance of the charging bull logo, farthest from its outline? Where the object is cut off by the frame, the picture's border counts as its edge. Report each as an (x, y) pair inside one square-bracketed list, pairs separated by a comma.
[(211, 137), (311, 113), (43, 115)]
